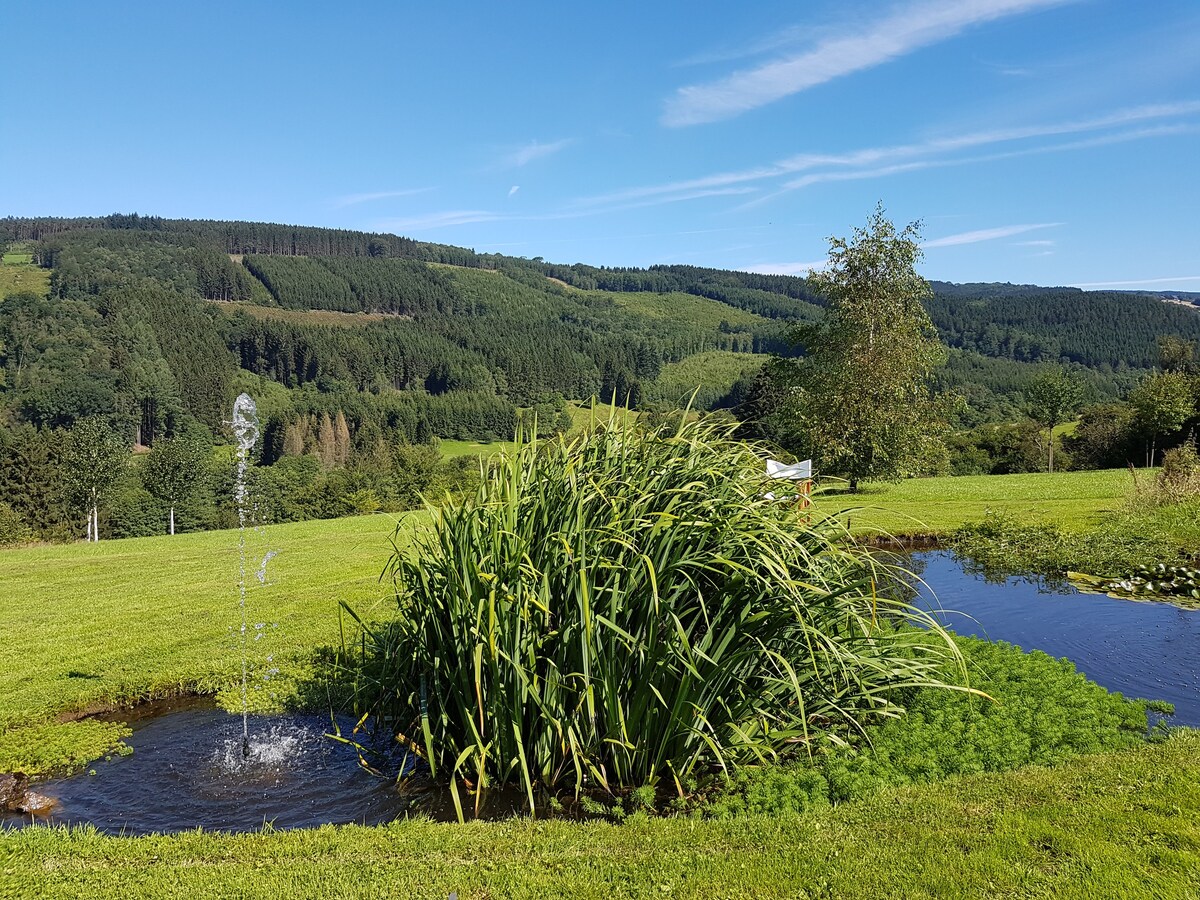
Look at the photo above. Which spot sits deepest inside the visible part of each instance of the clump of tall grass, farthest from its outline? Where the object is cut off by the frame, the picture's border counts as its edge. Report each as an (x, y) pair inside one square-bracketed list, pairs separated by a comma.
[(624, 609)]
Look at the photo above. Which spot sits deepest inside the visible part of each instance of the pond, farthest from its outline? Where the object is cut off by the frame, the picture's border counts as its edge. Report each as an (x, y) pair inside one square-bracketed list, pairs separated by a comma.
[(187, 769), (1141, 649)]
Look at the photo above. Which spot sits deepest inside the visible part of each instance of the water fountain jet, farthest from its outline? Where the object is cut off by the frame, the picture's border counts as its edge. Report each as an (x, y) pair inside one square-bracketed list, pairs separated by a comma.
[(245, 431)]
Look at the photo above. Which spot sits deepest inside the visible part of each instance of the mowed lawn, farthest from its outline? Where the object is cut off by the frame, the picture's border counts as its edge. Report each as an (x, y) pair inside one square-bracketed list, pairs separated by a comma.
[(1074, 500), (89, 625), (1111, 826)]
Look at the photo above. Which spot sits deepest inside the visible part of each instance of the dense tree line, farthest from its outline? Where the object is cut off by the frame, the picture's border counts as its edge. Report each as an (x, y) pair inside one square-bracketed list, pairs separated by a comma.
[(1102, 330), (1020, 322)]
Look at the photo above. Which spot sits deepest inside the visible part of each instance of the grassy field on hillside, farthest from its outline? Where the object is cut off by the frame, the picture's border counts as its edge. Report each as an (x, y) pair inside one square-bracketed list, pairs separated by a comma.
[(582, 416), (455, 449), (700, 312), (935, 505), (18, 273), (710, 375), (304, 316), (1120, 825)]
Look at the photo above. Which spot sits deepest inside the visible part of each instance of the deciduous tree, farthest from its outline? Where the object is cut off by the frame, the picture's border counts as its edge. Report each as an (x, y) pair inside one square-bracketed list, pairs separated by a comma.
[(93, 458), (861, 398), (172, 471), (1162, 404), (1054, 394)]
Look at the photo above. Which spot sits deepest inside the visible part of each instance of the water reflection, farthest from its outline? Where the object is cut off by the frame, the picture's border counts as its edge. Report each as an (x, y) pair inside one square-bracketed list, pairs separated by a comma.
[(1148, 650)]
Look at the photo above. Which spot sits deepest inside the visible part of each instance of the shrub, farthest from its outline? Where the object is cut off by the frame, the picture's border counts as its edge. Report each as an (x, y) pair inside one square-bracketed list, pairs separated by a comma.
[(623, 609), (1179, 478)]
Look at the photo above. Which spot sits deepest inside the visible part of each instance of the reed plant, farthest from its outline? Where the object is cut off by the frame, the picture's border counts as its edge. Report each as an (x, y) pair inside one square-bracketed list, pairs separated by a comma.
[(622, 609)]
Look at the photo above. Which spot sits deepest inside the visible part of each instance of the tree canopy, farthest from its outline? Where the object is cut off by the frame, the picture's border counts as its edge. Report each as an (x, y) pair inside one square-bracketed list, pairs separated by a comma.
[(860, 398)]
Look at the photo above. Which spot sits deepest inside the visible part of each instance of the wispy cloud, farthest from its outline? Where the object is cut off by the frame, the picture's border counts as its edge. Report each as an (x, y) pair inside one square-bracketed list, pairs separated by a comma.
[(534, 150), (905, 29), (451, 218), (787, 268), (1136, 282), (987, 234), (785, 37), (440, 220), (873, 162), (353, 199), (513, 190), (1033, 243)]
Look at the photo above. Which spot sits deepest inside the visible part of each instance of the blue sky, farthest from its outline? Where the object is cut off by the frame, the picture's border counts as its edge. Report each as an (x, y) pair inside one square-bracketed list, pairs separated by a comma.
[(1042, 141)]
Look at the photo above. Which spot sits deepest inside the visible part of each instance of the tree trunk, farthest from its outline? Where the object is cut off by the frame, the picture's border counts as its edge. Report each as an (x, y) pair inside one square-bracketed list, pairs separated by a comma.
[(1050, 444), (172, 520), (95, 522)]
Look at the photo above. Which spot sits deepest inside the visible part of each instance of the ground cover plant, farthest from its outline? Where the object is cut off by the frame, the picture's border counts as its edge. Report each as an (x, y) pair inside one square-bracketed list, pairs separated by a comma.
[(626, 610), (1037, 711)]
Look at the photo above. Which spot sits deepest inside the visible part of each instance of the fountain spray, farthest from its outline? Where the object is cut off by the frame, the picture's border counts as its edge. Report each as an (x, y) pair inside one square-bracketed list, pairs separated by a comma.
[(245, 430)]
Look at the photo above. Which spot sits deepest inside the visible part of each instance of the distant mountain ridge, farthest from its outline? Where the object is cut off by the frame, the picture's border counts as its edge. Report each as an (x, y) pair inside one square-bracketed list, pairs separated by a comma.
[(456, 338)]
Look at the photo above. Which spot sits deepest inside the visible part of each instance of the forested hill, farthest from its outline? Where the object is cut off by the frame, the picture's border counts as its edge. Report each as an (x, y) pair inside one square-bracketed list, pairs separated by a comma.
[(411, 338)]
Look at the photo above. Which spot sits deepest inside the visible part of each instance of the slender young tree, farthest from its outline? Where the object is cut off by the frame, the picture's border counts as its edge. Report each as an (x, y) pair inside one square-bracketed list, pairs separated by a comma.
[(861, 400), (1054, 394), (93, 458), (1162, 404), (172, 472)]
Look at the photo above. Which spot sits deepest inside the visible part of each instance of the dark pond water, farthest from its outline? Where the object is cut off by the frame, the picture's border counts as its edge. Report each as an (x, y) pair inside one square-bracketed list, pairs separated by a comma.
[(187, 771), (1148, 650)]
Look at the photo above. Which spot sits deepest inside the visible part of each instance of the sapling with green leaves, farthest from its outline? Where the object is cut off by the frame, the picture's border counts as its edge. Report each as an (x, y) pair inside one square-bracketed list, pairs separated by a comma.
[(1054, 394), (1162, 405), (93, 458), (172, 472), (860, 402)]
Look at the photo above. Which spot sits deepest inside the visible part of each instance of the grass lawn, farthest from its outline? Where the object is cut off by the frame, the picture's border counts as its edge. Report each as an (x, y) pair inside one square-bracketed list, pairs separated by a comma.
[(455, 449), (936, 505), (1120, 825), (90, 625)]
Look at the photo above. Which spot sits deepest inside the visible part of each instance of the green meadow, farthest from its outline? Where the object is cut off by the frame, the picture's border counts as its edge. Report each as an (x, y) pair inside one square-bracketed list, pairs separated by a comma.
[(18, 273), (1075, 500)]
